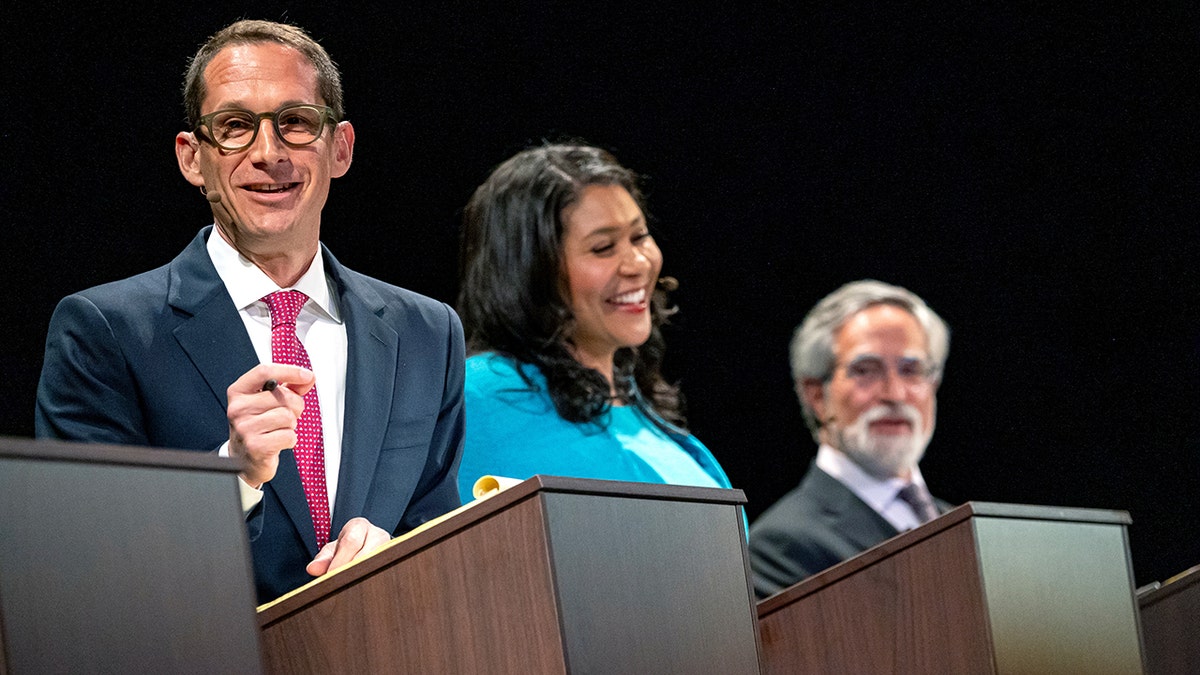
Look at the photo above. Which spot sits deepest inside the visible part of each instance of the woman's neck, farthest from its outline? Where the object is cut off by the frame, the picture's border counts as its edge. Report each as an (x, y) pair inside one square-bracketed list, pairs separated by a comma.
[(601, 363)]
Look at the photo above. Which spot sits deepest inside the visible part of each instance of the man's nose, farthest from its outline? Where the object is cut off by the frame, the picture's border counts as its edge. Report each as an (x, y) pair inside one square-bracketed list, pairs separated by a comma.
[(267, 147), (894, 386)]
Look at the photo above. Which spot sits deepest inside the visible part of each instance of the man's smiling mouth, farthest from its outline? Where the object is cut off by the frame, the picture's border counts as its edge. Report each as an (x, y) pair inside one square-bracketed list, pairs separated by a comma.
[(269, 188)]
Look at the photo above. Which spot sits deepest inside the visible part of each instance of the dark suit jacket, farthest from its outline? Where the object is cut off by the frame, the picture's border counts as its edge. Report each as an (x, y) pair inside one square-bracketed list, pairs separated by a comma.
[(813, 527), (147, 361)]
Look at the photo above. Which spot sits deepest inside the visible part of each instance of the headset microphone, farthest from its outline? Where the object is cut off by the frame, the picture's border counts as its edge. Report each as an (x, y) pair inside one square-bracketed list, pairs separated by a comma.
[(223, 211)]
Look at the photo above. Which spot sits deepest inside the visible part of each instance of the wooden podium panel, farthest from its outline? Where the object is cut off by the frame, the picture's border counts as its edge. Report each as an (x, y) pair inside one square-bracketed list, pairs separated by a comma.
[(120, 559), (1170, 623), (555, 575), (986, 588)]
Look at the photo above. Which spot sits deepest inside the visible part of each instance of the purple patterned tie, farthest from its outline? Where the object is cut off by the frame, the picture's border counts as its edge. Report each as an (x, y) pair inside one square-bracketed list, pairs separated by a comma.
[(920, 500), (310, 443)]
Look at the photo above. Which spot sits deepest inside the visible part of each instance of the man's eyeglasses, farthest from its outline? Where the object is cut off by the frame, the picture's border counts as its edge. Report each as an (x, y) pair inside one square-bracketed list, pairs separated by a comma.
[(235, 129), (870, 370)]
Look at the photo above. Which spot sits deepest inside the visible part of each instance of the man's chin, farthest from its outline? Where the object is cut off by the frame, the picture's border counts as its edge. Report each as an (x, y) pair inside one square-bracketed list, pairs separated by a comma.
[(258, 225), (887, 456)]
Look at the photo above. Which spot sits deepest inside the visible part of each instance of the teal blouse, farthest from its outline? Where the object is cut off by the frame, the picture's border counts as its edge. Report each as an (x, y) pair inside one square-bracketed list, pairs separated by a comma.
[(514, 431)]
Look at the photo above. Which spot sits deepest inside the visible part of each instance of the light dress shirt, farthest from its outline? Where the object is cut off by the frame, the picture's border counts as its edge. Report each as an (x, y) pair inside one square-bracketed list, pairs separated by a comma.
[(320, 329), (880, 495)]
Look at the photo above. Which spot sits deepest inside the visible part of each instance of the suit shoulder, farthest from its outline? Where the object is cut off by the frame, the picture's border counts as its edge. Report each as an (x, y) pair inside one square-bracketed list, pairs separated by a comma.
[(801, 502), (782, 515), (391, 292), (403, 305), (798, 530), (137, 296), (394, 295)]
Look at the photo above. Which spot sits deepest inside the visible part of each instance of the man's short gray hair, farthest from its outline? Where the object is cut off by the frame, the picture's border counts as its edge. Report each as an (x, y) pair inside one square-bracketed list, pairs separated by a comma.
[(812, 344)]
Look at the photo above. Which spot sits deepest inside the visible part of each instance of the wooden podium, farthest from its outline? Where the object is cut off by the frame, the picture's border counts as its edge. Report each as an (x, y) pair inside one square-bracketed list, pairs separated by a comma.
[(554, 575), (986, 588), (1170, 617), (118, 559)]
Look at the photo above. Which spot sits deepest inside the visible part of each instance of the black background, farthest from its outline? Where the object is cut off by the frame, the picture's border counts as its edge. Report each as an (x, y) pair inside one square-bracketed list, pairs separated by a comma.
[(1030, 171)]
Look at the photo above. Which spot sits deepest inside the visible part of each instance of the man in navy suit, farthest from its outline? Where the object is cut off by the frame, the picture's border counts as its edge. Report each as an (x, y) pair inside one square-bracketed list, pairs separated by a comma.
[(184, 356), (866, 363)]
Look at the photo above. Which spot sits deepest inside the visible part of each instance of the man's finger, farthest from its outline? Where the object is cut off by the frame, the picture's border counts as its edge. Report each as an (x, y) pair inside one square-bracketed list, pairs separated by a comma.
[(295, 378), (320, 564), (358, 539), (350, 543)]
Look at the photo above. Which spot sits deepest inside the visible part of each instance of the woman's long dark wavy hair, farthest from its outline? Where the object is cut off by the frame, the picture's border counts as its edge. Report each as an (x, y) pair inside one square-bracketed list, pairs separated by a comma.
[(511, 265)]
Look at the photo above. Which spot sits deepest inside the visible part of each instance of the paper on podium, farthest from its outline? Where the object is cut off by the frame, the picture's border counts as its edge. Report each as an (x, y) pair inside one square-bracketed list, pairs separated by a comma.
[(486, 486)]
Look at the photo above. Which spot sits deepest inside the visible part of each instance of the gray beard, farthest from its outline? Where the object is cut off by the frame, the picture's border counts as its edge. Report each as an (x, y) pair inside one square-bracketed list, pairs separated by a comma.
[(884, 456)]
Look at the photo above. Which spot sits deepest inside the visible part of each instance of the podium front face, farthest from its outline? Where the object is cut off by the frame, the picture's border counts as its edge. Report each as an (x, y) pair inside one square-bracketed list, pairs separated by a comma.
[(552, 576), (122, 560), (650, 583), (1170, 614), (986, 588), (1059, 595)]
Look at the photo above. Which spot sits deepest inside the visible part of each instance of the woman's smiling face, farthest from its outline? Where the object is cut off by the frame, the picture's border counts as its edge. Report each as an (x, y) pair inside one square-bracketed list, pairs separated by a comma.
[(611, 266)]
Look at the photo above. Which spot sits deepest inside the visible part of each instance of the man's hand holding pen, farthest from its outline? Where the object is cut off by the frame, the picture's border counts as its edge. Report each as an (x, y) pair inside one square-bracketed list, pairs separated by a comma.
[(264, 406)]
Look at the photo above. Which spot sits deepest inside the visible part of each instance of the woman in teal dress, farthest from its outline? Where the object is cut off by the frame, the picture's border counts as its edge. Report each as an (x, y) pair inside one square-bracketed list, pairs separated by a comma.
[(562, 304)]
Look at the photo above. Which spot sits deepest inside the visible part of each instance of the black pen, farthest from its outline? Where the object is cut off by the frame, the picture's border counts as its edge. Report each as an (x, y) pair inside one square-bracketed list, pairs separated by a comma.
[(270, 385)]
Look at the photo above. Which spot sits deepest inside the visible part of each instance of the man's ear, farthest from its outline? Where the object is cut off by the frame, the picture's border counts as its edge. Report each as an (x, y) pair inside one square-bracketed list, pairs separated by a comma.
[(343, 149), (812, 392), (187, 151)]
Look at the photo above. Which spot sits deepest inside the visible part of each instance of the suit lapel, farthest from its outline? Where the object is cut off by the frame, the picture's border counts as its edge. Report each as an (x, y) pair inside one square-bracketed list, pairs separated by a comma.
[(849, 515), (213, 336), (370, 377), (210, 331), (290, 491)]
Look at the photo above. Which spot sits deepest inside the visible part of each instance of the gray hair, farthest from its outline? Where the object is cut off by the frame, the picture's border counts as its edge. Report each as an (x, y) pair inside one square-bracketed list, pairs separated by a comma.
[(812, 344), (250, 32)]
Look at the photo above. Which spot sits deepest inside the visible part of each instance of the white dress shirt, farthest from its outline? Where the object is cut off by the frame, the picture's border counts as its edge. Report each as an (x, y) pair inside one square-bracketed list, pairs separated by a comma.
[(320, 329), (880, 495)]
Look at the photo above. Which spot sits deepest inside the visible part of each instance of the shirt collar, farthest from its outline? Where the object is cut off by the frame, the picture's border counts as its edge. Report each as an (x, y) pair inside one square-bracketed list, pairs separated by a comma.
[(248, 284), (878, 494)]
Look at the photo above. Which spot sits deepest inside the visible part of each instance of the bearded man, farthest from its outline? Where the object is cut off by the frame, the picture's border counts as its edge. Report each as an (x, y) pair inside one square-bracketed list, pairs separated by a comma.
[(866, 362)]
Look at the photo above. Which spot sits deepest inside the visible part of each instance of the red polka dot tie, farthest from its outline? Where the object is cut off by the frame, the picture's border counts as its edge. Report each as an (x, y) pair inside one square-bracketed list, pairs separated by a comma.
[(310, 443)]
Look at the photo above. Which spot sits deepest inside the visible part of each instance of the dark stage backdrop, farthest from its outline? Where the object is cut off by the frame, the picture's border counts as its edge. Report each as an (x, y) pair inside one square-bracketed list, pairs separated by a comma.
[(1030, 171)]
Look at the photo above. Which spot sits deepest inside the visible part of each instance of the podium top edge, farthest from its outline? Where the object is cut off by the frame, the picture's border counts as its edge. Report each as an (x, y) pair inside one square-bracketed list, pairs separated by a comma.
[(123, 455), (629, 489), (1184, 581), (1076, 514)]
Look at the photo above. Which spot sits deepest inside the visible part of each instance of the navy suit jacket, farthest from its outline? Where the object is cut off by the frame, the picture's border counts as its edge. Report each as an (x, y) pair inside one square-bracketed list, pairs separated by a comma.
[(147, 361), (815, 526)]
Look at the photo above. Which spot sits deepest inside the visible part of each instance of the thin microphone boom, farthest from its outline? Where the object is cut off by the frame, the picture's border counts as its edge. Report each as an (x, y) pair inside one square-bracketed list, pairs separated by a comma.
[(222, 208)]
